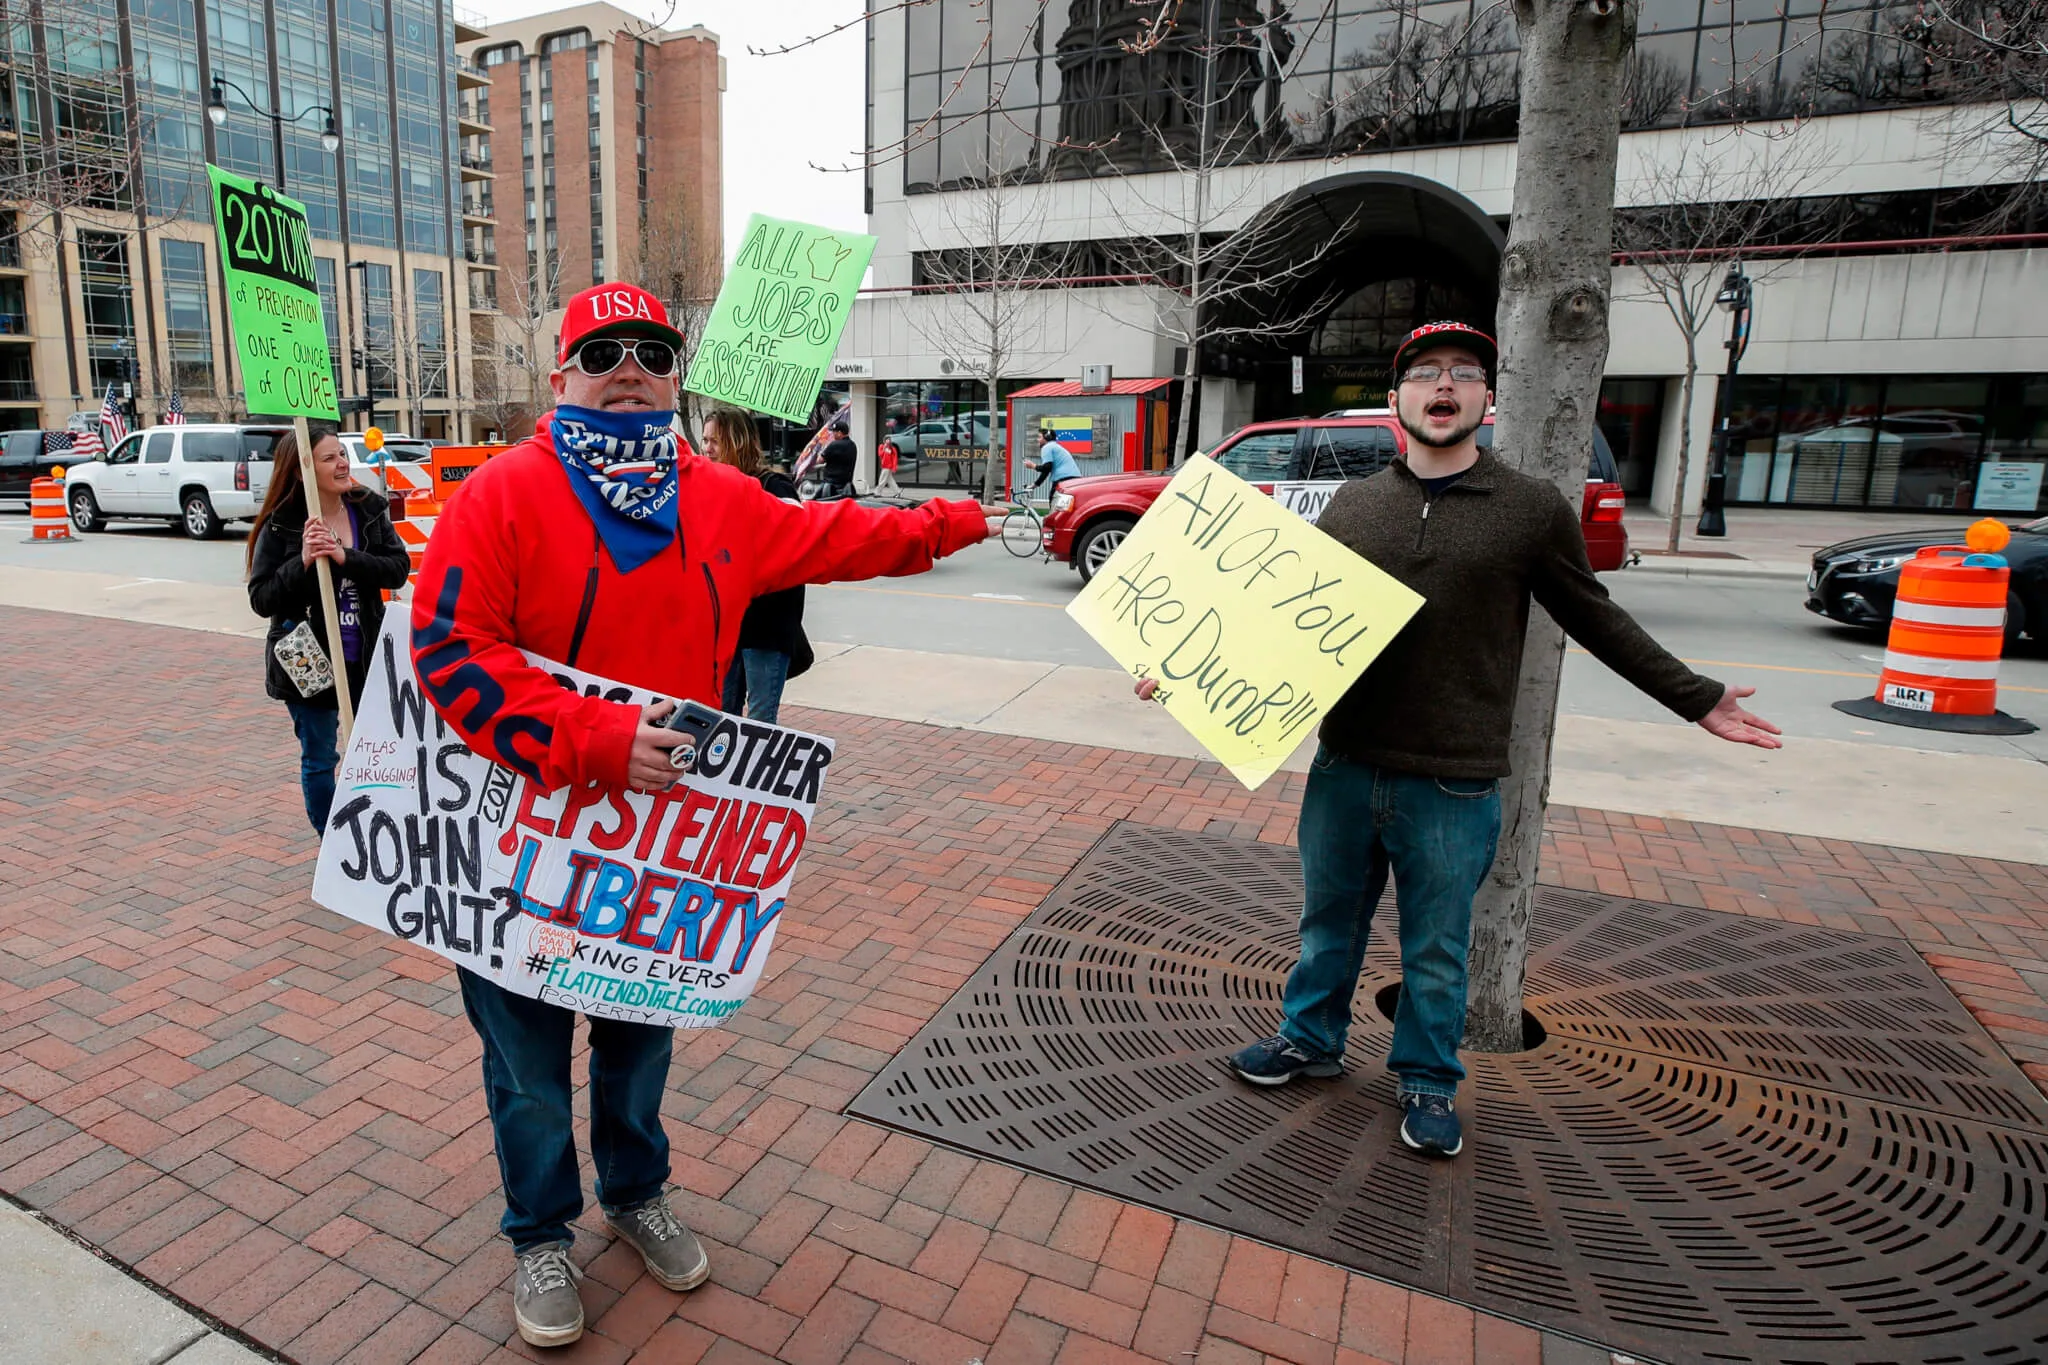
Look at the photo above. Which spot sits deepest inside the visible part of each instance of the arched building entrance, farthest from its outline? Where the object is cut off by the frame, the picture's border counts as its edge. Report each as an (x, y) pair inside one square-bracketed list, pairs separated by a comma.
[(1342, 269)]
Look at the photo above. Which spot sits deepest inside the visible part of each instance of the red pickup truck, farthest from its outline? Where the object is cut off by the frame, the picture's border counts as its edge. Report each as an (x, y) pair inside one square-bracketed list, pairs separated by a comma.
[(1301, 460)]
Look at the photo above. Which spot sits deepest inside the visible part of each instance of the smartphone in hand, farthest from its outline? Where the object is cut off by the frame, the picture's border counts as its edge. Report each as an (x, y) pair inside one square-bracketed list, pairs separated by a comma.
[(695, 722)]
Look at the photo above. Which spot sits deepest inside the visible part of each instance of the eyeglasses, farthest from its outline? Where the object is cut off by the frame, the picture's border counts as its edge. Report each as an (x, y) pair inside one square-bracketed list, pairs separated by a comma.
[(1429, 374), (599, 356)]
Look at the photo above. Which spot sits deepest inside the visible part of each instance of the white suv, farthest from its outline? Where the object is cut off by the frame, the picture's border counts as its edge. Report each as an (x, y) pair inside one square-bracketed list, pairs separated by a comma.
[(197, 474)]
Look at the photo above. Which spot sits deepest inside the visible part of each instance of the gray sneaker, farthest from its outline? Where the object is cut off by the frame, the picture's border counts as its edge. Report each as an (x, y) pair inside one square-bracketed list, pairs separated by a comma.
[(544, 1299), (674, 1256)]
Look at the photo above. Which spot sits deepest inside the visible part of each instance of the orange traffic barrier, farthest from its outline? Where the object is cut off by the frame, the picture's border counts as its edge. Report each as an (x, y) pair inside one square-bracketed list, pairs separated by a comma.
[(426, 489), (46, 516), (1948, 631), (452, 464), (1947, 635)]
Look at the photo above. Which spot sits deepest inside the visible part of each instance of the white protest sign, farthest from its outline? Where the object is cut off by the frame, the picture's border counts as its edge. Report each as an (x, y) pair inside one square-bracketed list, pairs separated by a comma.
[(1306, 500), (653, 907)]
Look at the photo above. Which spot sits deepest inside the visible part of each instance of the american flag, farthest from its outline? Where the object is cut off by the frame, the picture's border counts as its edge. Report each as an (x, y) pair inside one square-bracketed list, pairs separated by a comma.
[(174, 415), (110, 417), (55, 441), (86, 445)]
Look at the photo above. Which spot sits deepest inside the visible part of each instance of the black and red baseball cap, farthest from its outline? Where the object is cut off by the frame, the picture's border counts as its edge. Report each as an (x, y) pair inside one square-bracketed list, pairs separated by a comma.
[(1447, 334), (612, 310)]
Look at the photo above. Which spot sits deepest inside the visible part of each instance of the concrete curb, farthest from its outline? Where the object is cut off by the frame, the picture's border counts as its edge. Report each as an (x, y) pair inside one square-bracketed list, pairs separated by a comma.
[(1719, 568), (69, 1303)]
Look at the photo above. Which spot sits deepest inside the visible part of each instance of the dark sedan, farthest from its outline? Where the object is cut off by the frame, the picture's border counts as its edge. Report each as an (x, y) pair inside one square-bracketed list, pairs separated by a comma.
[(1855, 581)]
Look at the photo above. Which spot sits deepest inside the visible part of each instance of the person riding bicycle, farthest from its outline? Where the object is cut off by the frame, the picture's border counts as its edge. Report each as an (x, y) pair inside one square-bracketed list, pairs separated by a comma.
[(1054, 463)]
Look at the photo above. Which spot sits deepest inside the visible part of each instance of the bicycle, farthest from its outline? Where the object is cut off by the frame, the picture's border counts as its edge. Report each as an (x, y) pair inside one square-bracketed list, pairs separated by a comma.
[(1024, 531)]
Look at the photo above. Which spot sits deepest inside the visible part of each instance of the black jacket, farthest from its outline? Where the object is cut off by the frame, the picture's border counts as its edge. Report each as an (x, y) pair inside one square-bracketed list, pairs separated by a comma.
[(1439, 699), (839, 457), (776, 622), (282, 588)]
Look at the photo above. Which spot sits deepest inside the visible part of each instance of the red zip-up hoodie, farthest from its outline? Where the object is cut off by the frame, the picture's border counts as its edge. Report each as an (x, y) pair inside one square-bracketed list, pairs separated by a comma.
[(515, 563)]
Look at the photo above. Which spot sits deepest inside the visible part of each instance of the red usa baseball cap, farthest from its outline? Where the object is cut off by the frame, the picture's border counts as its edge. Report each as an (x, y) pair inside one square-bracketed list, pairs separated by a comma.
[(613, 310), (1446, 334)]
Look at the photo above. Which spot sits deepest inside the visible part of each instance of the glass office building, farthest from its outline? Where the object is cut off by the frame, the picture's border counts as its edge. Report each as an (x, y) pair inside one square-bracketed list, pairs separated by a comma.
[(136, 294), (1365, 151)]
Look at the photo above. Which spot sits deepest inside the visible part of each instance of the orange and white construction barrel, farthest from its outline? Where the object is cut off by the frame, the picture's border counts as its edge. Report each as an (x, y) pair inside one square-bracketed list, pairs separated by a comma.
[(1947, 636), (47, 519)]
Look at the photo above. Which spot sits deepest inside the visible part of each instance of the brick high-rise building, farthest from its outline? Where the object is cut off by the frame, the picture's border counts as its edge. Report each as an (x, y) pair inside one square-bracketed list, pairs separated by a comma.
[(602, 135)]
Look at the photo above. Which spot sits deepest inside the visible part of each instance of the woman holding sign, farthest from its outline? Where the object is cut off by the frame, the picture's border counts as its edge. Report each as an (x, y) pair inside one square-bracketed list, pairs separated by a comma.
[(772, 645), (355, 535)]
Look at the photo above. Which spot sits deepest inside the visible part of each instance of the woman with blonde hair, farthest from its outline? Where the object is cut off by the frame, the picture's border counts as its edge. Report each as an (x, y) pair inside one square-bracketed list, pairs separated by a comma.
[(772, 644)]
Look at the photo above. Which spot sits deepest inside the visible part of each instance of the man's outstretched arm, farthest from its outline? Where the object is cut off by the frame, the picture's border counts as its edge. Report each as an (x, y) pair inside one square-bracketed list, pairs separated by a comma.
[(1568, 589)]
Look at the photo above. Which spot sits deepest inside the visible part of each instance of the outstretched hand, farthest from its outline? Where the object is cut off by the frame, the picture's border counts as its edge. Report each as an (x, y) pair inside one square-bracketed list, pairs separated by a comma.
[(1729, 720), (989, 511)]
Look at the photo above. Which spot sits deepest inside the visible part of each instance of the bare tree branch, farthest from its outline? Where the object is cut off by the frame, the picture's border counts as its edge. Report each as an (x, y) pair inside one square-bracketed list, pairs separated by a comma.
[(1702, 202), (994, 316)]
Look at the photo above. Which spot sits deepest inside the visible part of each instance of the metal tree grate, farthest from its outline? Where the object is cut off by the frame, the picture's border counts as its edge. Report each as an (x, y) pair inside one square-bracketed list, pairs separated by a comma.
[(1741, 1141)]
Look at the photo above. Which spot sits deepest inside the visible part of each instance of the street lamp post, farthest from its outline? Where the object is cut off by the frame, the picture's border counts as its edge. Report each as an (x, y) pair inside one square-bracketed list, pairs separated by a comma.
[(217, 115), (1735, 296)]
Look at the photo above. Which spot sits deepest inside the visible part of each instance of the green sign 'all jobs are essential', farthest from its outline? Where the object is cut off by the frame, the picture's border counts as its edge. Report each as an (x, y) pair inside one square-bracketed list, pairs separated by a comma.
[(273, 299), (778, 317)]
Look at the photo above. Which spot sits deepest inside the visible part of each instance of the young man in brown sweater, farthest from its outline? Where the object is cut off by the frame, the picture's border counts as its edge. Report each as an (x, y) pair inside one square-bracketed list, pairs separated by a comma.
[(1407, 778)]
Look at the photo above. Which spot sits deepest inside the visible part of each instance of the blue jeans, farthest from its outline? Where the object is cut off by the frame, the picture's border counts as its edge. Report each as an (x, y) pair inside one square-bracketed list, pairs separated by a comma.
[(318, 730), (526, 1087), (755, 681), (1437, 837)]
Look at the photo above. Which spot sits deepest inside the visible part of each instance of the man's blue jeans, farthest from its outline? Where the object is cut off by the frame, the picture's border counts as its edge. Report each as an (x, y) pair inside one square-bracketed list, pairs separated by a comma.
[(318, 731), (1437, 837), (755, 680), (526, 1087)]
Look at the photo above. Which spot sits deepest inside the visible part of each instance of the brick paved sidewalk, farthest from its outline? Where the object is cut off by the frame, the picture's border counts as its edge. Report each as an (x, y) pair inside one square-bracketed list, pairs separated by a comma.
[(277, 1115)]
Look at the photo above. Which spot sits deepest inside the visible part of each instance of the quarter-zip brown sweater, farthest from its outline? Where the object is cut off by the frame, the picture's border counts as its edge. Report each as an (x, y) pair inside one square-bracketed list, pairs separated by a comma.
[(1439, 700)]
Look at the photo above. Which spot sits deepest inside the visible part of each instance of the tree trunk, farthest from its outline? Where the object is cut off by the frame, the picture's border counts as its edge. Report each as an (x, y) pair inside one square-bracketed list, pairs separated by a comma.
[(1555, 280), (1692, 369), (1188, 405), (992, 476)]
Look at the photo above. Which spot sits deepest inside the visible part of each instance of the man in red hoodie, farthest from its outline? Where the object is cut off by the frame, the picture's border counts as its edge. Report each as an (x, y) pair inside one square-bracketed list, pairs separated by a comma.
[(604, 543)]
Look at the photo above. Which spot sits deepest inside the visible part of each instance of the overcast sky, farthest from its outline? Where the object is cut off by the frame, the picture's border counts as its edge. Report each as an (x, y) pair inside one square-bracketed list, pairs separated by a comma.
[(782, 114)]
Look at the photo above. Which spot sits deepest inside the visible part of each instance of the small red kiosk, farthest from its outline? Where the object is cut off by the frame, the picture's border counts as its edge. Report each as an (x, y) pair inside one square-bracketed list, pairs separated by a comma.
[(1117, 429)]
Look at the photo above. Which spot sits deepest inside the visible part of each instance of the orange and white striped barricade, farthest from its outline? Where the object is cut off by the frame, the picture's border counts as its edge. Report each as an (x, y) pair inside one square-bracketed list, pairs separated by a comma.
[(1948, 633), (47, 520), (426, 488), (450, 465)]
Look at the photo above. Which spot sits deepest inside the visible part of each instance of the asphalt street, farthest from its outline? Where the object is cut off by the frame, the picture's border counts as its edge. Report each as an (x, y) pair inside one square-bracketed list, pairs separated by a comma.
[(986, 603)]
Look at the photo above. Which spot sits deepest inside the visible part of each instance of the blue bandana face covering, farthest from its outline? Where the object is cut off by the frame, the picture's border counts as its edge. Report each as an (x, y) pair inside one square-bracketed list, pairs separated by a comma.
[(623, 468)]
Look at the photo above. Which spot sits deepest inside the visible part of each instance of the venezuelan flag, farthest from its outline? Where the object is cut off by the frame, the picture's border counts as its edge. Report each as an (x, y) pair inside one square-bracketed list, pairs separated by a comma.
[(1077, 434)]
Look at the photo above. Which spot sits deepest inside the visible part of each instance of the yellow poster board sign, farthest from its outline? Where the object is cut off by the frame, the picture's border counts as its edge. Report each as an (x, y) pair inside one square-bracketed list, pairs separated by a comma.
[(1252, 620)]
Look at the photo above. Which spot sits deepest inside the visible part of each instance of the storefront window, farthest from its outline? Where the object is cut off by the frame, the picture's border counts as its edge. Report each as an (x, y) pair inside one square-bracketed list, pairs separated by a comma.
[(940, 428), (1630, 412), (1928, 443), (1903, 441), (2015, 445)]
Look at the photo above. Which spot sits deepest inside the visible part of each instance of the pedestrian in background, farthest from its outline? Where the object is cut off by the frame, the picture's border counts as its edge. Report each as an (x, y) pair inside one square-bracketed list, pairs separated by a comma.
[(840, 457), (772, 644), (353, 534), (887, 457)]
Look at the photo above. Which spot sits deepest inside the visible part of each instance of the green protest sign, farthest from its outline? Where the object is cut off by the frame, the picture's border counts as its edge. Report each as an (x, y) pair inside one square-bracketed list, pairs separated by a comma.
[(273, 298), (779, 316)]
